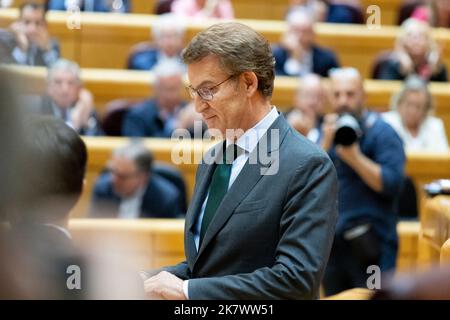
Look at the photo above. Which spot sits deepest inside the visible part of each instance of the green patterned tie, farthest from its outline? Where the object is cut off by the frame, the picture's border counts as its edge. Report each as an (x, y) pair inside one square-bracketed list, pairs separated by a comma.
[(218, 187)]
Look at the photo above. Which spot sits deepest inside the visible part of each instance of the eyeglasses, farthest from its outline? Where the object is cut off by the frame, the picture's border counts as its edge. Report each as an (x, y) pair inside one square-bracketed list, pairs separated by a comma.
[(206, 93)]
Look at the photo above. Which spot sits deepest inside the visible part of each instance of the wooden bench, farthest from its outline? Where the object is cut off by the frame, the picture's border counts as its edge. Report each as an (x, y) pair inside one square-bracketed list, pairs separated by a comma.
[(422, 168), (103, 33)]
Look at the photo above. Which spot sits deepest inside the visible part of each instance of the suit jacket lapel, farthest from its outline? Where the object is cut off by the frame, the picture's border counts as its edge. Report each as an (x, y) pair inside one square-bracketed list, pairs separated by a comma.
[(244, 183)]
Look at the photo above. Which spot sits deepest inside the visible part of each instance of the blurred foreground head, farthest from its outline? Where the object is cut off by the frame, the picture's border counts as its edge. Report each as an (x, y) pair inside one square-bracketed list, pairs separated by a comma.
[(54, 160)]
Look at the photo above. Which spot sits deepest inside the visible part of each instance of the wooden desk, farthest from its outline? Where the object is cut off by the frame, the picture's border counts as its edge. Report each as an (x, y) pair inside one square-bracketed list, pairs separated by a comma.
[(102, 34), (435, 229), (154, 243), (145, 243)]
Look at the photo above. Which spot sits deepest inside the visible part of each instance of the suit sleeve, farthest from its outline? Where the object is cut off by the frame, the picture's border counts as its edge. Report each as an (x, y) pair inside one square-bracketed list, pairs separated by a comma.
[(306, 233), (180, 270)]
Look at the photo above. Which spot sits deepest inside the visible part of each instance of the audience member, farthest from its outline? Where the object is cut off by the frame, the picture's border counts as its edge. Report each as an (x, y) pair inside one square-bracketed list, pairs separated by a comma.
[(415, 53), (411, 118), (309, 109), (67, 99), (222, 9), (297, 54), (168, 39), (130, 189), (158, 116), (91, 5), (370, 174), (30, 43)]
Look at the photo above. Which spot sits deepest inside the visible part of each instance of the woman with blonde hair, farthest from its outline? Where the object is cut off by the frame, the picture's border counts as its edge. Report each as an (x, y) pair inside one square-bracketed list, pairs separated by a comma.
[(415, 52)]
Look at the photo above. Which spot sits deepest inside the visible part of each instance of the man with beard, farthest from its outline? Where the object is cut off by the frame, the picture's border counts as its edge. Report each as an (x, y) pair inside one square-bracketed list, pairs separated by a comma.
[(370, 175)]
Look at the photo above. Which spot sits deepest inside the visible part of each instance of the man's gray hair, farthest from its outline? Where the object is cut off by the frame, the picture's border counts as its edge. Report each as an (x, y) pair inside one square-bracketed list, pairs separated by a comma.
[(138, 153), (239, 49), (65, 65), (300, 15), (168, 68), (168, 21)]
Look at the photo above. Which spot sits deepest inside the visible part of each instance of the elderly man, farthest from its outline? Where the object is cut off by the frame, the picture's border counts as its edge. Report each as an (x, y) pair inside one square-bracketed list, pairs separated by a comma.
[(168, 37), (158, 117), (298, 54), (370, 173), (66, 99), (261, 220), (130, 189), (29, 42), (310, 103)]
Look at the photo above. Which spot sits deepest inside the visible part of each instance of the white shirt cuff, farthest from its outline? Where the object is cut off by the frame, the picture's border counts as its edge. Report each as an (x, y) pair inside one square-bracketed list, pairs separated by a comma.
[(185, 288), (19, 56)]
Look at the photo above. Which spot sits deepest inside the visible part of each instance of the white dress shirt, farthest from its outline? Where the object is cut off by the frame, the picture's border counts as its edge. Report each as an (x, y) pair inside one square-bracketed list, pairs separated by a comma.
[(130, 208), (247, 142), (430, 138)]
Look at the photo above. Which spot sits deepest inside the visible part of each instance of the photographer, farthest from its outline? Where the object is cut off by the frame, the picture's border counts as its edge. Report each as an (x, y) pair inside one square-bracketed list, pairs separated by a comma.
[(369, 160)]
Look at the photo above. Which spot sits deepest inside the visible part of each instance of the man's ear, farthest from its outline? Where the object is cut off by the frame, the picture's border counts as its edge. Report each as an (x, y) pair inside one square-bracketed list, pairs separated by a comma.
[(250, 82)]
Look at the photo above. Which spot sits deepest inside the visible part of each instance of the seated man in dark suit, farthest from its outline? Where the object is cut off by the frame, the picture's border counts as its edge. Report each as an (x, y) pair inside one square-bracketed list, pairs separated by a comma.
[(168, 38), (52, 171), (31, 43), (297, 54), (158, 117), (91, 5), (131, 190), (66, 99)]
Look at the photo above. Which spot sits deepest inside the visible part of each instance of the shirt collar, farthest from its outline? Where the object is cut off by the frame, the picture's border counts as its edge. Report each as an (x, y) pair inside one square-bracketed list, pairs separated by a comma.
[(250, 138)]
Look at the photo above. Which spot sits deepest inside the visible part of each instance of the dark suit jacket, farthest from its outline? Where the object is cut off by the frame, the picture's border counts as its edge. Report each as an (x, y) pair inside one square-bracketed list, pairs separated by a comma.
[(390, 70), (323, 60), (143, 120), (42, 255), (7, 44), (144, 60), (99, 5), (161, 199), (271, 235), (43, 105)]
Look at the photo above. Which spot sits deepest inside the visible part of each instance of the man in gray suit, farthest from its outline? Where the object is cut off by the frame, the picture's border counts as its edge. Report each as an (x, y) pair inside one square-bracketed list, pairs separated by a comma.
[(261, 221), (27, 42)]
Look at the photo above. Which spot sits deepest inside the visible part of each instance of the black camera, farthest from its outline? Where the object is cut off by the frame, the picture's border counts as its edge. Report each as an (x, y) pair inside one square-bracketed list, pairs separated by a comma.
[(348, 130)]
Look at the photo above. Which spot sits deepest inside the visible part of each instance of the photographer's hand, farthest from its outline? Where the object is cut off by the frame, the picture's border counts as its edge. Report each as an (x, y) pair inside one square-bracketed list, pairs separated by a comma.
[(329, 130), (368, 170)]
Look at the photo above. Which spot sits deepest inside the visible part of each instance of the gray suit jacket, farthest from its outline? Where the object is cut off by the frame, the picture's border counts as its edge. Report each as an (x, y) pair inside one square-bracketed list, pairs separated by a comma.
[(35, 58), (272, 234)]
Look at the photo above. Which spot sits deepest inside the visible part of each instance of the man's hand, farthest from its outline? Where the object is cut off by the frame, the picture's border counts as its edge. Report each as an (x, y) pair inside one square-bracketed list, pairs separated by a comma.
[(349, 154), (43, 39), (19, 33), (367, 169), (164, 286), (83, 109), (291, 43), (329, 130)]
